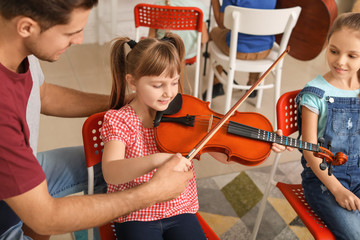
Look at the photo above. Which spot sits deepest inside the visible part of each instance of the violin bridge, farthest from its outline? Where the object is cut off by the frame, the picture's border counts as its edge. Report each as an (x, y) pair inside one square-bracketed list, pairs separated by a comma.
[(210, 122)]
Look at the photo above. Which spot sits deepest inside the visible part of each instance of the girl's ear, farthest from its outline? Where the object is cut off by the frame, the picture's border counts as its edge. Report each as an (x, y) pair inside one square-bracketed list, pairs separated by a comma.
[(131, 82), (27, 26)]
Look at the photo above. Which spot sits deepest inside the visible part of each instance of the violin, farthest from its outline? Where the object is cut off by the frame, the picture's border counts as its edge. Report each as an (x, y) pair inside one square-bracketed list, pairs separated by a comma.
[(245, 138), (222, 134)]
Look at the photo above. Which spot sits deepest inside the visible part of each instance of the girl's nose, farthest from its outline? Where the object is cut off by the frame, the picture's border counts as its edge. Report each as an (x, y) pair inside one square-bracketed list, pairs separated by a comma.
[(341, 60), (167, 91)]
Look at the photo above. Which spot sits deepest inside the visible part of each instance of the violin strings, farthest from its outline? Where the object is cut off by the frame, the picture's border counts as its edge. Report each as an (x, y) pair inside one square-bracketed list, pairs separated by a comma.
[(252, 132), (241, 129)]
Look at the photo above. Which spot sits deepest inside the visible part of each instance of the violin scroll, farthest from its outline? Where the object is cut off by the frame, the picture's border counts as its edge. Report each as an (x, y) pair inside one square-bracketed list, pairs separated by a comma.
[(328, 158), (340, 159)]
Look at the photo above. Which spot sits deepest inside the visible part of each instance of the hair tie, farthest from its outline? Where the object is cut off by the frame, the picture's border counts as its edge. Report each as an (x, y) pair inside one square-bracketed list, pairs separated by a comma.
[(169, 39), (131, 43), (166, 39)]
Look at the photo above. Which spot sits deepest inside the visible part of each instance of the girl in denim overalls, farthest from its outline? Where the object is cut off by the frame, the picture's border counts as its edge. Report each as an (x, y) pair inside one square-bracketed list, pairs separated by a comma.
[(330, 108)]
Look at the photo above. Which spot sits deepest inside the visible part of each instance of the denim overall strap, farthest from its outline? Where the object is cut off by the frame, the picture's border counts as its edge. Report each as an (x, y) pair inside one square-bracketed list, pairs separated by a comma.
[(342, 132)]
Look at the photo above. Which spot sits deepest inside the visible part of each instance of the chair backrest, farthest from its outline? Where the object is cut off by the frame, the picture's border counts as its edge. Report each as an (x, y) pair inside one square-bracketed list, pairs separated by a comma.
[(93, 144), (167, 17), (286, 113), (260, 22)]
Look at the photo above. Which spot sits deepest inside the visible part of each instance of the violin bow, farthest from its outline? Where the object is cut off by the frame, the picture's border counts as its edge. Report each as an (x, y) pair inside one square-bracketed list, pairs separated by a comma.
[(226, 117)]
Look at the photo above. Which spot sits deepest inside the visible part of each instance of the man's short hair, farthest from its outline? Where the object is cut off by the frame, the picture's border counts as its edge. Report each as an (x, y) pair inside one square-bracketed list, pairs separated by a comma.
[(46, 13)]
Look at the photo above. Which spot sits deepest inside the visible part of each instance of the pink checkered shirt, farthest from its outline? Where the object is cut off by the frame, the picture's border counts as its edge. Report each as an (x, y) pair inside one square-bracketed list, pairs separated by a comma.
[(124, 125)]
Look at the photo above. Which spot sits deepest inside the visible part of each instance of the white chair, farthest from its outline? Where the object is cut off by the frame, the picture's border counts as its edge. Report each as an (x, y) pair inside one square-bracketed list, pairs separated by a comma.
[(255, 22), (172, 18)]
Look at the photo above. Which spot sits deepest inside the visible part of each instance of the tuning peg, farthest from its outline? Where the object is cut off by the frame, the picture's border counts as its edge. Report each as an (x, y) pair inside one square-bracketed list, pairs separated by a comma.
[(323, 165), (330, 169)]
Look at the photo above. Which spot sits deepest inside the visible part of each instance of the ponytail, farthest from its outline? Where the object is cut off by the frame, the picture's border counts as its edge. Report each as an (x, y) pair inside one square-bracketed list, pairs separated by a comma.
[(118, 72)]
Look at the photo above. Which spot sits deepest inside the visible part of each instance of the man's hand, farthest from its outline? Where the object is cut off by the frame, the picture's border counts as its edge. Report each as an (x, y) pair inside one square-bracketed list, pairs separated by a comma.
[(169, 183)]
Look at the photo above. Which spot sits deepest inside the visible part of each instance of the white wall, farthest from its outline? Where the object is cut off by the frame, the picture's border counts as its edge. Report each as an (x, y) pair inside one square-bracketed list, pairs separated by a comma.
[(344, 5)]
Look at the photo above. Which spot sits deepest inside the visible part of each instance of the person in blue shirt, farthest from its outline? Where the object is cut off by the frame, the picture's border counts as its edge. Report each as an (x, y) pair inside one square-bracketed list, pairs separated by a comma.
[(250, 47)]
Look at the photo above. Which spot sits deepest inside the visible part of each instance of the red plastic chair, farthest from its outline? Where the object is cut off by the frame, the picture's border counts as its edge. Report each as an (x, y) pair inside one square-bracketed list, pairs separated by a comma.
[(172, 18), (93, 147), (286, 114)]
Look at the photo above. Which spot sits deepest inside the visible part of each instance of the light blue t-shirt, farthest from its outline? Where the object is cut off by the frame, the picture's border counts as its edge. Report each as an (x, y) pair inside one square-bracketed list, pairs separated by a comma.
[(189, 37), (319, 106), (251, 43)]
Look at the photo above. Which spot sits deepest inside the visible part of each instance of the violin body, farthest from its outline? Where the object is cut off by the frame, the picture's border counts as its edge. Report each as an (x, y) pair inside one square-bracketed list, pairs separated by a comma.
[(309, 35), (179, 138)]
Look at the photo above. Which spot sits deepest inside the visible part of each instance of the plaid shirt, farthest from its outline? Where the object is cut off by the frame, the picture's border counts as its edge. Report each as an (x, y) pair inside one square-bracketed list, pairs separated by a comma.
[(124, 125)]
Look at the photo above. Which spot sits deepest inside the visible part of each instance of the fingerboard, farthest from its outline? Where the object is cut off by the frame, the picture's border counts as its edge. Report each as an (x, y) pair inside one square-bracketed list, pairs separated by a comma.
[(266, 136)]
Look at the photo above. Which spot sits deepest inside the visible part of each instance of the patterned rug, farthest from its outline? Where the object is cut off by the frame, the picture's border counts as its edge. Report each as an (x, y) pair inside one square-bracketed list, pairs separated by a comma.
[(229, 204)]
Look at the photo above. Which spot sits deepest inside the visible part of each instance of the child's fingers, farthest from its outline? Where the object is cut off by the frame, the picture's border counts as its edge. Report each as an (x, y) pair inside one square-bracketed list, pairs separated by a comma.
[(357, 203), (184, 165)]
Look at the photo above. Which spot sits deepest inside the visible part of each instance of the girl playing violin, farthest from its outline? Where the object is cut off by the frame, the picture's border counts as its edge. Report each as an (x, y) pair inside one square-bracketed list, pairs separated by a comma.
[(153, 70), (330, 108)]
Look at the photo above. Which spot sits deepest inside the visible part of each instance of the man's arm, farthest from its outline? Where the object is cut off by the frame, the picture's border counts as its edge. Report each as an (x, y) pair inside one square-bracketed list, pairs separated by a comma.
[(48, 216), (66, 102)]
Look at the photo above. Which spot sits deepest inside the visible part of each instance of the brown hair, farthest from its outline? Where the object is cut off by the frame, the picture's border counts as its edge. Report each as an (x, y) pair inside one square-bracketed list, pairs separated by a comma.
[(46, 13), (149, 57), (349, 20)]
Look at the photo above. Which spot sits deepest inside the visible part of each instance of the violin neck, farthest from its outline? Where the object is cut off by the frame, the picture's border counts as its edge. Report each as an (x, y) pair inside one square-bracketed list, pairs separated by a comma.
[(266, 136)]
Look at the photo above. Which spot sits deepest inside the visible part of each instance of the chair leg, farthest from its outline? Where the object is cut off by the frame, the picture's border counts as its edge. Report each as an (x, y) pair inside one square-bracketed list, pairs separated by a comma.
[(259, 95), (277, 89), (90, 191), (197, 77), (210, 83), (197, 67), (269, 185), (229, 89)]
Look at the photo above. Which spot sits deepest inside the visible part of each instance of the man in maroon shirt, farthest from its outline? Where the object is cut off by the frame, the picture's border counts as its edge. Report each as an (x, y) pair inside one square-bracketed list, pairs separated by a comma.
[(46, 29)]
